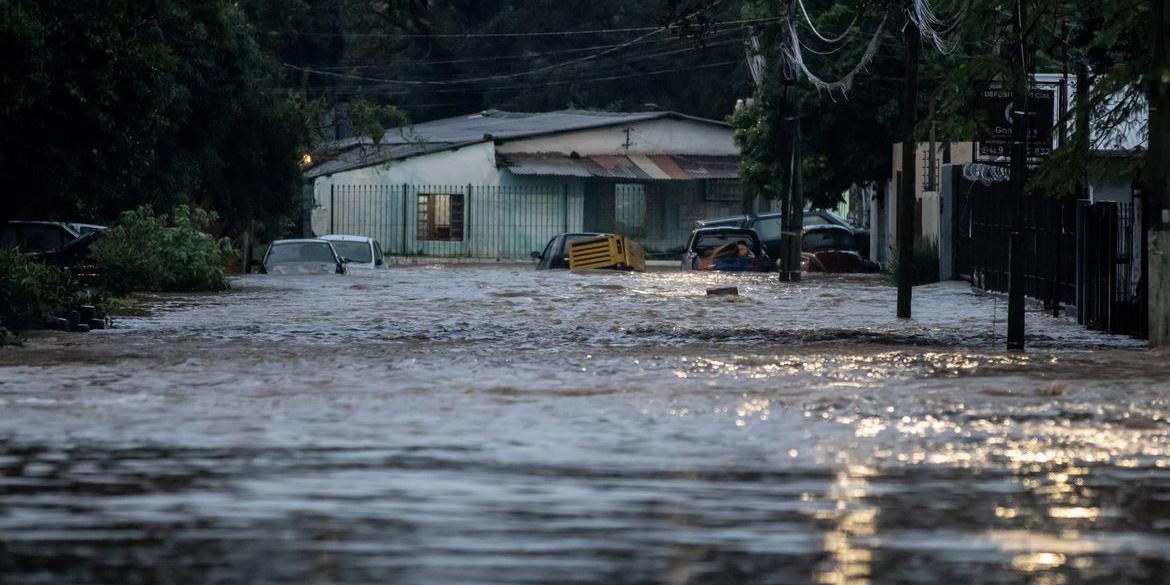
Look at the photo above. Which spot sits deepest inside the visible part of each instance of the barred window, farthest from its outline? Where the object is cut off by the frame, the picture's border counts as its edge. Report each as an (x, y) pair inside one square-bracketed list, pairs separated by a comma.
[(440, 216)]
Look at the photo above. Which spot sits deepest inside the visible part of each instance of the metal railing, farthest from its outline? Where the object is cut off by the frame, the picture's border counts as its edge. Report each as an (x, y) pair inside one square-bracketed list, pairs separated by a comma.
[(511, 222)]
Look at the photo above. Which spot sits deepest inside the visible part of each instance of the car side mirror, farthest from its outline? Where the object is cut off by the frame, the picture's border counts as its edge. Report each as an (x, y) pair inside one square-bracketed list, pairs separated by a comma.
[(534, 255), (378, 261)]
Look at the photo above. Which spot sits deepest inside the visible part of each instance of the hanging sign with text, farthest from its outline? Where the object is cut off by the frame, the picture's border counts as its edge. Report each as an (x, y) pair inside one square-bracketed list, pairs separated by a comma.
[(997, 133)]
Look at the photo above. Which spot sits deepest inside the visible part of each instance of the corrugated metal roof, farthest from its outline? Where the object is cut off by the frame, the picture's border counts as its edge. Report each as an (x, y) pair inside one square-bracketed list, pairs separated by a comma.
[(500, 125), (488, 125), (538, 165), (366, 155), (633, 167)]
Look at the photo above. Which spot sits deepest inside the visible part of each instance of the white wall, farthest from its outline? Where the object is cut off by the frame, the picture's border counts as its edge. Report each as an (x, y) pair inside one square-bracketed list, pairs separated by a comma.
[(650, 137), (471, 165)]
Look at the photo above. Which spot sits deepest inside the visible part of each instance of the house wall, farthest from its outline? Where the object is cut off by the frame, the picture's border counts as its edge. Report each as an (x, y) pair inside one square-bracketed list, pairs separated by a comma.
[(649, 137), (471, 165), (508, 215)]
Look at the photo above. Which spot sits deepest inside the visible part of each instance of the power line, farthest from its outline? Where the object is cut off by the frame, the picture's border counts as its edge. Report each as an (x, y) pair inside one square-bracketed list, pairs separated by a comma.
[(390, 89), (366, 65), (508, 35), (499, 77)]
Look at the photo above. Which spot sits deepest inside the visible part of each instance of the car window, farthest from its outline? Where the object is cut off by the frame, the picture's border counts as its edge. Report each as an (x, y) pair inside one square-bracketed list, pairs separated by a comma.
[(8, 238), (828, 239), (815, 219), (300, 252), (44, 237), (712, 241), (768, 228), (355, 251)]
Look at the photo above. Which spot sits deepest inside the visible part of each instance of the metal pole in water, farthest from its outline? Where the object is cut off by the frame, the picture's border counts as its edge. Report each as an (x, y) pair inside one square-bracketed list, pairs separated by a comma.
[(905, 208)]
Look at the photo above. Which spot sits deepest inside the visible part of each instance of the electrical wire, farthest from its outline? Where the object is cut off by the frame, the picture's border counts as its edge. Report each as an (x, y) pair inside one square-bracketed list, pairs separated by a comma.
[(369, 65), (391, 89), (499, 77), (510, 35), (665, 50)]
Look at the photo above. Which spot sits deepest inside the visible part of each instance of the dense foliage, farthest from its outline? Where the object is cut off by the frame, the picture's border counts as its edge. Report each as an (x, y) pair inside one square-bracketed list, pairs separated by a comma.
[(30, 291), (143, 251), (110, 105)]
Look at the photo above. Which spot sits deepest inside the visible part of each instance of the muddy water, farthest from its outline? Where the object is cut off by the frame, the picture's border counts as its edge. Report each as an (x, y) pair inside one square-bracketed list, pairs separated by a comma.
[(497, 425)]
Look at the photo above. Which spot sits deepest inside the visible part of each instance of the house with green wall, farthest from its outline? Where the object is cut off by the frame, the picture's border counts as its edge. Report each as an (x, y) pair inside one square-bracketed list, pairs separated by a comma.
[(500, 184)]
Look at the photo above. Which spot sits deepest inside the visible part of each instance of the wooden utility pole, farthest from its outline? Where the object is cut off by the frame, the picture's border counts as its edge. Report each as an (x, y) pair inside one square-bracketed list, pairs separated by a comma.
[(906, 191), (1021, 88), (793, 228), (1158, 175)]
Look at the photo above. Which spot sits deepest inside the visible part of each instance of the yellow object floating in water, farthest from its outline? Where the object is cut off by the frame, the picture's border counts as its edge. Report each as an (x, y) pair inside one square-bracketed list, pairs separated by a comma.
[(608, 251)]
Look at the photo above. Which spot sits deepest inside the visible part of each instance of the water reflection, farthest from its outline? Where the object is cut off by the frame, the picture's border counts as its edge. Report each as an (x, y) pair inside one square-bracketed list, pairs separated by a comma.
[(441, 425)]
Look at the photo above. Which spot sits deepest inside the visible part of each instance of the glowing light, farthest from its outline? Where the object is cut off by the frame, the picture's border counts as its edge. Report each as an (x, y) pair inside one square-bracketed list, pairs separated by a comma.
[(1041, 561)]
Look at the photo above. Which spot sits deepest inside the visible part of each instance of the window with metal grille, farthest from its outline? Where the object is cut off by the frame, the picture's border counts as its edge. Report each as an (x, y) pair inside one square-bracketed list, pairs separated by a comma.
[(440, 216)]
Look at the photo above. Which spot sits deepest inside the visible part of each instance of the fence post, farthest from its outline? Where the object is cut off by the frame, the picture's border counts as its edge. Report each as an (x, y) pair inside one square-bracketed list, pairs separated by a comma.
[(332, 207), (405, 223), (565, 205)]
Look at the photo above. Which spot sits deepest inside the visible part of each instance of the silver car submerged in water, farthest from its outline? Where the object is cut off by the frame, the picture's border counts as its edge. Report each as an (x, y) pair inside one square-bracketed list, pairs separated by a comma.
[(357, 252), (307, 256)]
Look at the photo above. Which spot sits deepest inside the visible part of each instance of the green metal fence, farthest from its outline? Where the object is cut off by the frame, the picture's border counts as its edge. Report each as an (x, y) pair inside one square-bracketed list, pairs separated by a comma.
[(510, 222)]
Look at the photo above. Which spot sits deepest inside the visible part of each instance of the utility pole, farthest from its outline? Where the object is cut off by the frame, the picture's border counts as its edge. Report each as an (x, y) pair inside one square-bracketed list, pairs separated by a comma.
[(905, 207), (793, 228), (1158, 175), (1019, 168)]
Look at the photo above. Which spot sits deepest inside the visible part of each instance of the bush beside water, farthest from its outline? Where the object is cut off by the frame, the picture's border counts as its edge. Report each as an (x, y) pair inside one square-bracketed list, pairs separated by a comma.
[(147, 252), (30, 291), (141, 252)]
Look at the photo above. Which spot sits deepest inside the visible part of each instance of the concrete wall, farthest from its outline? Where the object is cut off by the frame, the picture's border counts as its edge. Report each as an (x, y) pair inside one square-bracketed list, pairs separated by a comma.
[(649, 137)]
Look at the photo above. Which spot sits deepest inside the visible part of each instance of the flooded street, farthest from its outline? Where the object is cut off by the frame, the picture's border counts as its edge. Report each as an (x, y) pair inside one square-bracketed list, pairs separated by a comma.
[(493, 424)]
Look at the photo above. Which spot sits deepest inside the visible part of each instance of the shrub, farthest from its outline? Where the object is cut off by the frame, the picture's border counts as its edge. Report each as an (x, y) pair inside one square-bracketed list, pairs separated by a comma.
[(925, 269), (147, 252), (30, 291)]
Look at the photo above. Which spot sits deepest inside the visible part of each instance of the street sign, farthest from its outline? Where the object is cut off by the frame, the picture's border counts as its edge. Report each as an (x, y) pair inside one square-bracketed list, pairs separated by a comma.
[(996, 131)]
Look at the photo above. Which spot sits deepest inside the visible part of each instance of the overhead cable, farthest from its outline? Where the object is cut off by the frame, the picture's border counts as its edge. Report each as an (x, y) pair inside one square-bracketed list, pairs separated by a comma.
[(511, 35)]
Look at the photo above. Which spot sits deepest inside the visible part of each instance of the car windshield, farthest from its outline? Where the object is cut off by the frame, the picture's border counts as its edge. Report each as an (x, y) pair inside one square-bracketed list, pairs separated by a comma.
[(354, 251), (768, 228), (713, 241), (300, 252)]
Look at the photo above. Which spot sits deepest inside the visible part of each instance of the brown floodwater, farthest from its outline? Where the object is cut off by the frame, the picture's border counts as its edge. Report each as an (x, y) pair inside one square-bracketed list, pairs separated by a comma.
[(492, 424)]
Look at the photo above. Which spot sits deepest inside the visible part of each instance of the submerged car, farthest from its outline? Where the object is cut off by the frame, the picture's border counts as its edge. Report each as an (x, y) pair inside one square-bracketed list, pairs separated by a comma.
[(828, 248), (302, 257), (556, 254), (767, 225), (357, 251), (726, 249), (42, 236)]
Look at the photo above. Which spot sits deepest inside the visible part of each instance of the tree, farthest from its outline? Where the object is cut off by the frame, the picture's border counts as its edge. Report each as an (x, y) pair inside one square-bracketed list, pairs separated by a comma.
[(108, 107)]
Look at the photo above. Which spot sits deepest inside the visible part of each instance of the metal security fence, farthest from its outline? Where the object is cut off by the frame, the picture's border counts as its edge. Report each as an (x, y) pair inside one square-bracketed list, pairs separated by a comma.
[(452, 220), (1076, 252), (511, 222)]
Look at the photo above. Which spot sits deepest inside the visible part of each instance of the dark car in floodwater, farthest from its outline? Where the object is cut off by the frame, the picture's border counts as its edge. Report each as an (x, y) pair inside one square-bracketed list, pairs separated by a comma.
[(767, 225), (302, 257), (726, 249), (43, 236), (556, 252), (829, 248)]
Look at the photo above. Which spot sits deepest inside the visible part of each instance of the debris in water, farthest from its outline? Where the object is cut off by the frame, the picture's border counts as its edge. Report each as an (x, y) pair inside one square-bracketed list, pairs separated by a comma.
[(723, 290)]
